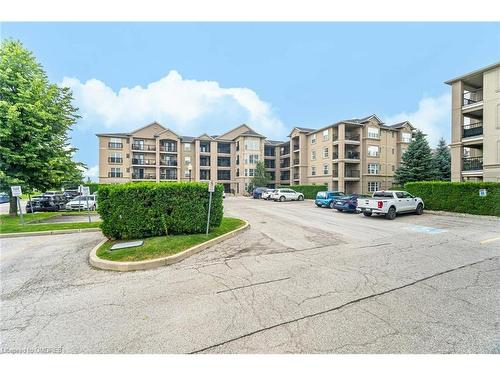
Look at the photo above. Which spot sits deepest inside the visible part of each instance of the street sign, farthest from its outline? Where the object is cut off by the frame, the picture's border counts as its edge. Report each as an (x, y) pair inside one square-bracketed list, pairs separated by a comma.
[(483, 192), (16, 191), (211, 186), (85, 190)]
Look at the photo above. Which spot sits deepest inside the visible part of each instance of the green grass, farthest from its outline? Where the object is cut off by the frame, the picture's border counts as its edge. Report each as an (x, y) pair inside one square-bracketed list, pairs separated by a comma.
[(157, 247), (12, 224)]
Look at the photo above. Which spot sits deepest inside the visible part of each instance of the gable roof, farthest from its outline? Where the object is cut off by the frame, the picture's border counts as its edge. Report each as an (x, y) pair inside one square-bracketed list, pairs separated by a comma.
[(402, 124), (147, 126), (253, 133), (236, 128)]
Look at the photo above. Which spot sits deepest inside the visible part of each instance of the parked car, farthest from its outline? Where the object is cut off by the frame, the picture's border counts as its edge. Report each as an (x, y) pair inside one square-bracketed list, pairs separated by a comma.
[(4, 198), (348, 203), (82, 202), (390, 203), (54, 202), (33, 204), (326, 198), (70, 194), (257, 192), (267, 194), (287, 195)]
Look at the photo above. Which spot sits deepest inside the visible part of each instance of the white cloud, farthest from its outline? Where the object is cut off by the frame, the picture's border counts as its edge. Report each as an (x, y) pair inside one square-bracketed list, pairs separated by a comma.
[(189, 107), (92, 172), (432, 117)]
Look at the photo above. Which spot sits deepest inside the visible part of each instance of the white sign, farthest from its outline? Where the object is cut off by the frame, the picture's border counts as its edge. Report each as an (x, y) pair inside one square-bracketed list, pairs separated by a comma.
[(483, 192), (16, 191), (80, 188), (211, 186), (85, 190)]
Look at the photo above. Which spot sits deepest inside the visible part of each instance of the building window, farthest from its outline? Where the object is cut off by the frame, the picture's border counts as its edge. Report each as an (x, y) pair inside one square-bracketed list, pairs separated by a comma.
[(253, 159), (325, 135), (313, 138), (393, 168), (187, 146), (373, 151), (249, 172), (313, 171), (325, 152), (186, 173), (115, 158), (406, 137), (373, 132), (325, 168), (373, 186), (252, 145), (187, 160), (392, 134), (115, 172), (313, 155), (393, 148), (115, 143), (373, 168)]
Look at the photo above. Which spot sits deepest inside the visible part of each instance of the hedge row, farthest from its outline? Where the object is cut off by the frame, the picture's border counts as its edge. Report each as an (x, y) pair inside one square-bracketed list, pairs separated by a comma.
[(147, 209), (458, 196), (309, 191)]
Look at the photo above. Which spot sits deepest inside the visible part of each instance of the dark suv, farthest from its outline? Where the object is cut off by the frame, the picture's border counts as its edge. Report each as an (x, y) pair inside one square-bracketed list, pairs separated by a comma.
[(53, 202)]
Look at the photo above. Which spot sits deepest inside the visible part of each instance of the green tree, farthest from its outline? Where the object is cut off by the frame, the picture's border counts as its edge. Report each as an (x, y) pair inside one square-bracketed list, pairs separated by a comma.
[(260, 178), (35, 118), (441, 161), (416, 163)]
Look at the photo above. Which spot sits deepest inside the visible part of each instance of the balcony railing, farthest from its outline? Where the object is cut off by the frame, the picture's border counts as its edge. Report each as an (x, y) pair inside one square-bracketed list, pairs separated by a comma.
[(473, 164), (352, 137), (352, 155), (137, 146), (335, 173), (144, 161), (115, 145), (296, 161), (166, 148), (115, 174), (284, 165), (145, 176), (224, 150), (295, 176), (112, 160), (472, 97), (168, 163), (335, 155), (167, 176), (351, 173), (472, 130), (295, 147)]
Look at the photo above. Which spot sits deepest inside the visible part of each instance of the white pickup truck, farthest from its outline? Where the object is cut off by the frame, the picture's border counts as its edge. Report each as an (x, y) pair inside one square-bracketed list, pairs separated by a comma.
[(390, 203)]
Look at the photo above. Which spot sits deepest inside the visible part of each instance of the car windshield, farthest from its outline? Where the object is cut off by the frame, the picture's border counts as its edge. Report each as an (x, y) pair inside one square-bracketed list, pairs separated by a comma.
[(321, 194)]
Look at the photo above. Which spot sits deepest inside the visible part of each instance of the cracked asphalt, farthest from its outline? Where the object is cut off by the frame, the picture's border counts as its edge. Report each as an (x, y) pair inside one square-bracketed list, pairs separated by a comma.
[(300, 280)]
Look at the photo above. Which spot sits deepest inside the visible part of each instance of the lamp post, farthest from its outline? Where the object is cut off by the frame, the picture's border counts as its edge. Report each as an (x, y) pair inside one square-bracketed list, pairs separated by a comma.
[(190, 168)]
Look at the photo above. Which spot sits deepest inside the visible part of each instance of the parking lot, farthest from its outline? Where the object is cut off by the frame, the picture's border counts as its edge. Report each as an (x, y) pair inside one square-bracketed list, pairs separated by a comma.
[(302, 279)]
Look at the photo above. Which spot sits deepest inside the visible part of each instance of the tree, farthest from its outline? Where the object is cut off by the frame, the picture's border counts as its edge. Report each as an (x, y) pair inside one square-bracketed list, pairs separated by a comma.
[(260, 177), (35, 117), (416, 163), (441, 161)]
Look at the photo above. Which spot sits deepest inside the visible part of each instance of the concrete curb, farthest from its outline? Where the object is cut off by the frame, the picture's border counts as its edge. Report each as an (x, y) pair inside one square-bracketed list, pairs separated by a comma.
[(48, 232), (154, 263), (460, 214)]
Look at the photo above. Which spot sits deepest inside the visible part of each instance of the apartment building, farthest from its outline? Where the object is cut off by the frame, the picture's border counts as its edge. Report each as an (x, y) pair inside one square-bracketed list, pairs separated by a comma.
[(475, 125), (354, 156)]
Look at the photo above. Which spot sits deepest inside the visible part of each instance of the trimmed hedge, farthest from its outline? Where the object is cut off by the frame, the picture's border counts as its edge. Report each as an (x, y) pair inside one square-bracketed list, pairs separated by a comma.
[(148, 209), (309, 191), (458, 196)]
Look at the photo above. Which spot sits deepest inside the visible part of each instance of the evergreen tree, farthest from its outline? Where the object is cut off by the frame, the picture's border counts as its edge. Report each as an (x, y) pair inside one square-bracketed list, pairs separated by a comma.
[(35, 118), (441, 161), (416, 163), (260, 177)]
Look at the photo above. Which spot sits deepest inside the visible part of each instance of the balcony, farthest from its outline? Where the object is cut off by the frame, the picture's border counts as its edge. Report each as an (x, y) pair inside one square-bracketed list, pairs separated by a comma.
[(295, 176), (112, 160), (223, 175), (351, 173), (352, 137), (335, 155), (285, 165), (204, 175), (205, 147), (115, 146), (296, 161), (352, 155), (169, 148), (269, 164), (224, 162), (335, 173), (168, 176), (224, 148), (473, 164), (168, 163), (471, 97), (269, 151), (295, 147), (143, 147), (143, 176), (472, 130), (144, 161)]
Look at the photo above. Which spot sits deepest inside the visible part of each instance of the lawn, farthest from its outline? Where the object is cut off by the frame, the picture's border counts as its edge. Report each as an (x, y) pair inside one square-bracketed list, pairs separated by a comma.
[(157, 247), (12, 224)]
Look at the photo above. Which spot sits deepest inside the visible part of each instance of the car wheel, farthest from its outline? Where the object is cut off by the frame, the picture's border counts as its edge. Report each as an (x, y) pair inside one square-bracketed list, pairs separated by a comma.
[(339, 210), (420, 209), (391, 214), (282, 198), (318, 205), (331, 205), (300, 198), (367, 214)]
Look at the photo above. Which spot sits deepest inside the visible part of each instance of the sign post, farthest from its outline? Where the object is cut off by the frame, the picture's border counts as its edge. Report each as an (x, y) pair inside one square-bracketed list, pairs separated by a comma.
[(80, 190), (16, 192), (86, 193), (211, 189)]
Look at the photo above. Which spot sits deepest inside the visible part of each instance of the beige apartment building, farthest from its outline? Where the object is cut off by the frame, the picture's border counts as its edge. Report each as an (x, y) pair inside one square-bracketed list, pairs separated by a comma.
[(475, 125), (354, 156)]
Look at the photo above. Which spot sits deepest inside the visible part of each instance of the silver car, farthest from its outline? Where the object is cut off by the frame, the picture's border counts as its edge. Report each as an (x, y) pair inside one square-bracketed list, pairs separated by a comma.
[(287, 195)]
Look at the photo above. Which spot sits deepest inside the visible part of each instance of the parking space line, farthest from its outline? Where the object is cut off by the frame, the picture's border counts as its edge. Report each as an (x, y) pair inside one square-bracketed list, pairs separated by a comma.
[(489, 240)]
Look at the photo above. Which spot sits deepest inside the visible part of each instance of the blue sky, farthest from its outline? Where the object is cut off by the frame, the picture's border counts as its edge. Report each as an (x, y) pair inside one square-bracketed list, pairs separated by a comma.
[(197, 77)]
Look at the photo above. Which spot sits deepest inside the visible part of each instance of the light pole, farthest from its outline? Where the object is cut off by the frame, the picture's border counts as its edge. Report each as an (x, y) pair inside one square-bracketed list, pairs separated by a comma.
[(190, 168)]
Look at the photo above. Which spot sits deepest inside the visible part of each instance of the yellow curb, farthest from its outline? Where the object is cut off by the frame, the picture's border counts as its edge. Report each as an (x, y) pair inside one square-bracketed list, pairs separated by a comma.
[(489, 240), (48, 232), (110, 265)]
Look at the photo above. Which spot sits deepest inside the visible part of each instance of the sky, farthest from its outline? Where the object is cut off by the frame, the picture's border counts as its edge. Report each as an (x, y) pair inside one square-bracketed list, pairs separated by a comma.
[(210, 77)]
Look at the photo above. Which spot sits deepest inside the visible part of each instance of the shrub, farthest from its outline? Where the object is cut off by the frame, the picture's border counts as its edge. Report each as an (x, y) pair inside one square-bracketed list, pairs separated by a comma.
[(458, 196), (147, 209), (309, 191)]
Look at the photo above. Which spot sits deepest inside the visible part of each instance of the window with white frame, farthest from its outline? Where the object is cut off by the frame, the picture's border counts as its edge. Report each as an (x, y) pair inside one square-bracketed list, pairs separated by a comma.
[(373, 132), (186, 173), (406, 137), (187, 160), (373, 168), (252, 159), (325, 152), (313, 155), (325, 135), (251, 172), (373, 151), (313, 138), (115, 172), (252, 145), (325, 168), (373, 186), (187, 146), (313, 171)]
